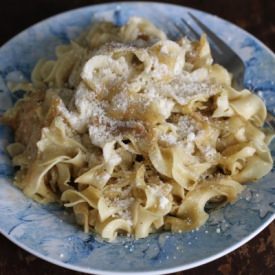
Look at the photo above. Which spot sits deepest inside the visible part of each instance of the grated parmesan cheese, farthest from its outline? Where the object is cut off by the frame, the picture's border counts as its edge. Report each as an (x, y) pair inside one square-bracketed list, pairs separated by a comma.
[(209, 152), (163, 202), (185, 92), (168, 138)]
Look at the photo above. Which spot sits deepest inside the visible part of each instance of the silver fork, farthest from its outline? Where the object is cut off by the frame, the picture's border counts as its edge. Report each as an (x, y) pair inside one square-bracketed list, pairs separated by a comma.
[(222, 55)]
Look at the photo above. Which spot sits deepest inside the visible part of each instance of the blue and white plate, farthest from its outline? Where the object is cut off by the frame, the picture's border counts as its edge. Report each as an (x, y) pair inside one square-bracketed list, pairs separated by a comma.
[(50, 233)]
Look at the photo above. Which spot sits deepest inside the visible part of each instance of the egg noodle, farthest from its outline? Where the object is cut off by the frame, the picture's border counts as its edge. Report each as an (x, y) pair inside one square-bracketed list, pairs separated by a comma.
[(136, 133)]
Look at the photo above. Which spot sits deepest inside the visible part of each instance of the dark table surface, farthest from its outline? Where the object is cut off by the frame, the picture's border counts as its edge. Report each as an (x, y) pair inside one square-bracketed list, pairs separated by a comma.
[(257, 17)]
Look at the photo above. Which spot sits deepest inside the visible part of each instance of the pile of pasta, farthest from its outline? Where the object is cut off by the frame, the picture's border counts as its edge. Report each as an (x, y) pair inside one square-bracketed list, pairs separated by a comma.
[(136, 133)]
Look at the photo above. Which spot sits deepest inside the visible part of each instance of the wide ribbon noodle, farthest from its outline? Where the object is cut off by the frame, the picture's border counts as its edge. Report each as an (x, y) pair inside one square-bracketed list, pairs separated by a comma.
[(136, 133)]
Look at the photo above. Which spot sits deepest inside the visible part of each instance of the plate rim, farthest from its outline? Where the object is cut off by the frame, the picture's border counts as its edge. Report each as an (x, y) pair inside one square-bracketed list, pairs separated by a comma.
[(90, 270), (178, 268)]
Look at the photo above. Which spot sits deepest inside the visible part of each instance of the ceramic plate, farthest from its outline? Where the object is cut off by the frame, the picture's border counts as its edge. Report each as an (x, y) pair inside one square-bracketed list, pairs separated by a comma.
[(49, 233)]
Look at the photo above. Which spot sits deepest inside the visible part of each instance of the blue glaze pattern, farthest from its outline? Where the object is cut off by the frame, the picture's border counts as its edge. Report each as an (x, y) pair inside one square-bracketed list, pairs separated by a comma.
[(49, 231)]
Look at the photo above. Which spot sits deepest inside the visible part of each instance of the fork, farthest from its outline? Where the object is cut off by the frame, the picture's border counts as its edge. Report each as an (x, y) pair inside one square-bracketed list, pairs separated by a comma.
[(222, 55)]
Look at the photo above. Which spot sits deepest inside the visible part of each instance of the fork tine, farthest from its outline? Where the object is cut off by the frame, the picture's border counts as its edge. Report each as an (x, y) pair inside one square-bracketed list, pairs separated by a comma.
[(179, 30), (218, 43), (222, 53), (190, 29), (196, 35), (183, 32)]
